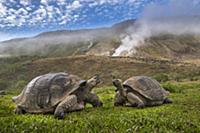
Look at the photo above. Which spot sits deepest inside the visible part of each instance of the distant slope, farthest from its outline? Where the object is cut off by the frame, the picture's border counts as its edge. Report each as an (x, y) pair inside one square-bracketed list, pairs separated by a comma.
[(66, 42), (102, 41), (171, 46)]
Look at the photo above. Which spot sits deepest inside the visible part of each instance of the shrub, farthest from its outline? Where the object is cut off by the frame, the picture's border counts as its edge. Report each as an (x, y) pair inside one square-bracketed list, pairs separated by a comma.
[(180, 87), (17, 87), (173, 88), (161, 77), (3, 84)]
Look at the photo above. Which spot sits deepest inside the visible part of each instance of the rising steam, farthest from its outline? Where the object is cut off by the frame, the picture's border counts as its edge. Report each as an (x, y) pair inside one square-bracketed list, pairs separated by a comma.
[(176, 17)]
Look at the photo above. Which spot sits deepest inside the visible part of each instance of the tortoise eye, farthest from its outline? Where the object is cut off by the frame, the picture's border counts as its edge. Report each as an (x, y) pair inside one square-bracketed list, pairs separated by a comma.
[(114, 83)]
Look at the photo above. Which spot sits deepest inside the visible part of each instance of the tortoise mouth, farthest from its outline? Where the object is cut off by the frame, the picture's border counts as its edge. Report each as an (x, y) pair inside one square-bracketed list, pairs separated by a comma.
[(116, 82), (95, 80), (98, 79)]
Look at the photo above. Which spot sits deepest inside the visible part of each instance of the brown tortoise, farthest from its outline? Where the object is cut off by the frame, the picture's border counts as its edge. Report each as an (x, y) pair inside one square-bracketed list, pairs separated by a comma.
[(139, 91), (57, 93)]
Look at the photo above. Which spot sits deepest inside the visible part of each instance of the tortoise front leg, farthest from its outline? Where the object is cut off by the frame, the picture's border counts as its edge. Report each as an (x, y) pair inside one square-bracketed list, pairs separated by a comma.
[(69, 104), (93, 99), (19, 110), (119, 100)]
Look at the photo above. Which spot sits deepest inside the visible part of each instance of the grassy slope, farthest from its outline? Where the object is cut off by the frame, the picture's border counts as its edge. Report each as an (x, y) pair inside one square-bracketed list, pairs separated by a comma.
[(181, 116)]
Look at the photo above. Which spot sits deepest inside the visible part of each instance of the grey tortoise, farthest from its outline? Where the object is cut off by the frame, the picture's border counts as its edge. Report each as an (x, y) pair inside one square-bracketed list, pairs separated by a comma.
[(57, 93), (139, 91)]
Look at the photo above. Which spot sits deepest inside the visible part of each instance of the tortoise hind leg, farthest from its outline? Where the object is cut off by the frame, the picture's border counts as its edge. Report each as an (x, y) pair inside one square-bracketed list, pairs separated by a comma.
[(134, 101), (19, 110), (69, 104), (167, 101)]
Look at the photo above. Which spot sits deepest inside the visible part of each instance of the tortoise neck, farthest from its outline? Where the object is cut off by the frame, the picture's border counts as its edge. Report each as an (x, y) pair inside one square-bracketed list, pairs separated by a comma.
[(89, 88), (121, 90)]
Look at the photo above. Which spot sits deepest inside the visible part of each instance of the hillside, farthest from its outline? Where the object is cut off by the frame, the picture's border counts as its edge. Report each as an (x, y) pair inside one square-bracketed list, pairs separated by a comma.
[(102, 42), (15, 72), (67, 42), (171, 46)]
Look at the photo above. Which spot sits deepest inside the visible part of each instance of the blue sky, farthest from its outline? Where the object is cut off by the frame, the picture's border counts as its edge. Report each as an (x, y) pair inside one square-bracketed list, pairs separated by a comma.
[(28, 17)]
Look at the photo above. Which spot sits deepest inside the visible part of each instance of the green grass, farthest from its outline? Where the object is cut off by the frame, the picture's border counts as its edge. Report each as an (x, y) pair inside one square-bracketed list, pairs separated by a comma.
[(181, 116), (176, 87)]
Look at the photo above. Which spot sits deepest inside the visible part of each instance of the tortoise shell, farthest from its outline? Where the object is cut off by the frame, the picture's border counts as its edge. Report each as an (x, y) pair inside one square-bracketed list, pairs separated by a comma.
[(148, 87), (45, 92)]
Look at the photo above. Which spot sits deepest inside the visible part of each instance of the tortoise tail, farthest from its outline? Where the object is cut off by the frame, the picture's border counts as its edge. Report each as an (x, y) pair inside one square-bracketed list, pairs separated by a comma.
[(16, 99)]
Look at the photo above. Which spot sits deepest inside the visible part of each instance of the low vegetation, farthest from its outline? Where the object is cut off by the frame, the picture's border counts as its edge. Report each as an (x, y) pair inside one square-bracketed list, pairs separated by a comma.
[(178, 78), (181, 116)]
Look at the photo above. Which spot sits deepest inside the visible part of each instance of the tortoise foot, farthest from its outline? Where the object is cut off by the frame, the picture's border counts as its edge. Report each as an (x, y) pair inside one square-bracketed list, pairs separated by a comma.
[(19, 110)]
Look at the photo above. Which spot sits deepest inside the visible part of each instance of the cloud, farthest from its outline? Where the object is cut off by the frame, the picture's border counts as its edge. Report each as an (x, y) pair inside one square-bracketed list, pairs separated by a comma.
[(49, 11), (22, 11), (2, 10), (173, 8), (76, 4), (5, 36), (25, 2), (45, 2), (61, 2), (11, 19)]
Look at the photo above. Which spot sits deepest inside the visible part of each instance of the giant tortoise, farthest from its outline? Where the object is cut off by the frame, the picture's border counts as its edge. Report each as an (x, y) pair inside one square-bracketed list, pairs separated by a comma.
[(57, 93), (139, 91)]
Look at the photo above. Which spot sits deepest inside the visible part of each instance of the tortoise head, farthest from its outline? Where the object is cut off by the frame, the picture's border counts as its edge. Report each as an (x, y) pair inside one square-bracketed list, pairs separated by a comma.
[(85, 86), (118, 84), (92, 82), (119, 87), (88, 85)]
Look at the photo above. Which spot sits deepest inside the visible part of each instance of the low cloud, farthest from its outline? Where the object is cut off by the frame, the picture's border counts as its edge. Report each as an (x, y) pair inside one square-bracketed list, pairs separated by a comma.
[(5, 36)]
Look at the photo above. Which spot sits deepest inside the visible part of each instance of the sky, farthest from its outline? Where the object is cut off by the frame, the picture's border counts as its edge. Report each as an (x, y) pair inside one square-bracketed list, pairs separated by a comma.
[(21, 18)]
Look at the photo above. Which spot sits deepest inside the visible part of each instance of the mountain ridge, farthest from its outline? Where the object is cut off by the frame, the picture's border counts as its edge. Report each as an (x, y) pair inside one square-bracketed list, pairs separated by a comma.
[(103, 42)]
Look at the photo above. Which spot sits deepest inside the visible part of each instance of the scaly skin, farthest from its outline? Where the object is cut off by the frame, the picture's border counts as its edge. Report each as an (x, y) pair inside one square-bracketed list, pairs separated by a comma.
[(119, 100), (93, 99), (68, 105)]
